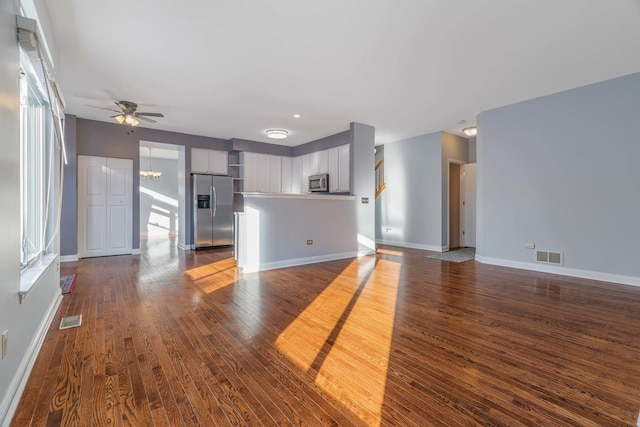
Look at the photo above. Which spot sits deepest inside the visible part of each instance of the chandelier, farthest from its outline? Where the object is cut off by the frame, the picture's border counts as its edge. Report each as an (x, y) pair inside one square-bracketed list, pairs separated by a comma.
[(150, 175)]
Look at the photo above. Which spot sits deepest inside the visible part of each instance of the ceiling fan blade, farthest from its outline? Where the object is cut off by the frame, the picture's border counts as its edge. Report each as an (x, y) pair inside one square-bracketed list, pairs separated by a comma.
[(146, 119), (102, 108), (150, 114)]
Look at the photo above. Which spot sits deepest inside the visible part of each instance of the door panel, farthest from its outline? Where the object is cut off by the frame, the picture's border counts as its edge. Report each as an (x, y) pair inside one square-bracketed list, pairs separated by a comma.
[(120, 205), (94, 229), (118, 217), (92, 203)]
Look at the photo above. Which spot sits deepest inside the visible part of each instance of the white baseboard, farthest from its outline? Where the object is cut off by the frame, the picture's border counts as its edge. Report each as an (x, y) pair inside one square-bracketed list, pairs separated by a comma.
[(69, 258), (12, 397), (184, 247), (297, 261), (411, 245), (561, 270), (135, 251)]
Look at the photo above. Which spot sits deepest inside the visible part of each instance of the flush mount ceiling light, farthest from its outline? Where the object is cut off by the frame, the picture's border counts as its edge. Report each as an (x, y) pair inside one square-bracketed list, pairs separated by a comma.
[(277, 133), (471, 131)]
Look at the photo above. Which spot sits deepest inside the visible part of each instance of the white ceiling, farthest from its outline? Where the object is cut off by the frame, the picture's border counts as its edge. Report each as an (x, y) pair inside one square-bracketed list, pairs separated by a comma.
[(234, 68)]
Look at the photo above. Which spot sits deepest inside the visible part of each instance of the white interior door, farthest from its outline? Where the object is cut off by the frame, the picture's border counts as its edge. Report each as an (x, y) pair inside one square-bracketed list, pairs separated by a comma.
[(119, 206), (468, 193), (105, 206), (92, 206)]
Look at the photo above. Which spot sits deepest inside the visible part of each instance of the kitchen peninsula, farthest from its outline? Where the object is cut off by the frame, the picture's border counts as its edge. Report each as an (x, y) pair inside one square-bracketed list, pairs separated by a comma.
[(281, 230)]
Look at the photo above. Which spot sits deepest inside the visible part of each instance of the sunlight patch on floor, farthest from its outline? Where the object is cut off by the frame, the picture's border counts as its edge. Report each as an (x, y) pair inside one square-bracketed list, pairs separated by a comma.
[(389, 252), (344, 336), (215, 275)]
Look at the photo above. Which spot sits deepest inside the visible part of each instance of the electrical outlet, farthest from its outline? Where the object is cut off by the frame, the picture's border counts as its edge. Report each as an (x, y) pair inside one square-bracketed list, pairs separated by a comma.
[(309, 242), (365, 200), (388, 230), (5, 341), (529, 245)]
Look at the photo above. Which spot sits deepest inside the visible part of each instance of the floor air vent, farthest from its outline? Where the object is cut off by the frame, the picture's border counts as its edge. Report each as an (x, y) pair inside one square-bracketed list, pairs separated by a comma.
[(71, 322), (549, 257)]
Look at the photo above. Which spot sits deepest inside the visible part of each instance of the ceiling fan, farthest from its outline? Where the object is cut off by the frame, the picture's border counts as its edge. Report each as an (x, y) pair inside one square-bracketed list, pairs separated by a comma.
[(128, 113)]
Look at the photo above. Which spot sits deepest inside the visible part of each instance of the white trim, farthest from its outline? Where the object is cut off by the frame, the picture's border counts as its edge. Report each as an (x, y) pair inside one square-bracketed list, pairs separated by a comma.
[(12, 397), (297, 261), (412, 245), (184, 247), (135, 251), (32, 274), (564, 271), (69, 258)]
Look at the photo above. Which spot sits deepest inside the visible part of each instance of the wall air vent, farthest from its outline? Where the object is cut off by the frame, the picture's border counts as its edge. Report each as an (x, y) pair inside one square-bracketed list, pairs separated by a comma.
[(549, 257)]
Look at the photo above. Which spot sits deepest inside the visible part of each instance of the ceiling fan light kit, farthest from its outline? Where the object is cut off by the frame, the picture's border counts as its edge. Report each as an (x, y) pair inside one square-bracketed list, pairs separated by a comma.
[(128, 114)]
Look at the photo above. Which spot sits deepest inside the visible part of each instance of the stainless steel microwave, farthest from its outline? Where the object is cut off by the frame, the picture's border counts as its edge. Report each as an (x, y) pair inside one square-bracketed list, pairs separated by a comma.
[(319, 183)]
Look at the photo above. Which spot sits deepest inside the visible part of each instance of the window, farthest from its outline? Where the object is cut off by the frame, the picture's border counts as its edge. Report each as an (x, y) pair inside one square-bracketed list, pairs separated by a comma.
[(36, 164)]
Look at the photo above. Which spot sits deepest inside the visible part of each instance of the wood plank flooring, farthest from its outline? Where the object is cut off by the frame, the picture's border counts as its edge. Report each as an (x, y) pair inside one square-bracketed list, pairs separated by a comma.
[(173, 338)]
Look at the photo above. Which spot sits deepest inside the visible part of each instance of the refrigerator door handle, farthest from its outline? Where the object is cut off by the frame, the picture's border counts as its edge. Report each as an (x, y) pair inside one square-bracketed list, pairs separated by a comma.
[(215, 200)]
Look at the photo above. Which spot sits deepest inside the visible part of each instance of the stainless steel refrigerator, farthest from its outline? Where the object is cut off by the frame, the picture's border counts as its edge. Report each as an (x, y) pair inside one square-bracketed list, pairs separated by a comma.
[(212, 210)]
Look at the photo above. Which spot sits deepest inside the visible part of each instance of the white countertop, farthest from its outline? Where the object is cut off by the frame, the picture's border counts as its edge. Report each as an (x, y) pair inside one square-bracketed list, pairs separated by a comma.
[(303, 196)]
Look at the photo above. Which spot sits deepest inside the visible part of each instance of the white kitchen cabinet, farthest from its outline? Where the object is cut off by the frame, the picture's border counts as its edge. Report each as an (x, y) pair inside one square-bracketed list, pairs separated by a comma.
[(297, 175), (323, 162), (339, 169), (249, 169), (286, 167), (308, 168), (209, 161), (264, 173), (275, 174)]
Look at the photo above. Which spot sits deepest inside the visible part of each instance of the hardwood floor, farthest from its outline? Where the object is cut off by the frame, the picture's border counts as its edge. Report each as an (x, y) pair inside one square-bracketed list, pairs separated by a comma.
[(173, 338)]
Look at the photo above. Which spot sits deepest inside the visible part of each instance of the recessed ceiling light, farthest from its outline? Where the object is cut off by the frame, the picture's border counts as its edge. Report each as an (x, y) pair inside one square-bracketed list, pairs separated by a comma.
[(277, 133), (471, 131), (297, 116)]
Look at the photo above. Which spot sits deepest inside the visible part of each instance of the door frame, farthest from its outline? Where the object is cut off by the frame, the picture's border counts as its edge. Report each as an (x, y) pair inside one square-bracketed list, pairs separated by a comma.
[(447, 247), (103, 163)]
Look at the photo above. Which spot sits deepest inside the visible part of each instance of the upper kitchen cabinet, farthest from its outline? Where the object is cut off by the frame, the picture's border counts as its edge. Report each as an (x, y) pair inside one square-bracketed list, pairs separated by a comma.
[(339, 169), (209, 161), (266, 173)]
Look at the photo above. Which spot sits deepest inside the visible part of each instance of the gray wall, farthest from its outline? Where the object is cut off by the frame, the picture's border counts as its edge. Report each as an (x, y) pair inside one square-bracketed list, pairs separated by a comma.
[(411, 206), (284, 225), (260, 147), (26, 323), (455, 149), (561, 171), (69, 246), (166, 186), (472, 149), (95, 138), (363, 183), (331, 141)]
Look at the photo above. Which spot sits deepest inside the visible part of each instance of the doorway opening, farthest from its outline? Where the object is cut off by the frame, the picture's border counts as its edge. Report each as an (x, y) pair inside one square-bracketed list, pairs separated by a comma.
[(462, 205), (161, 210)]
